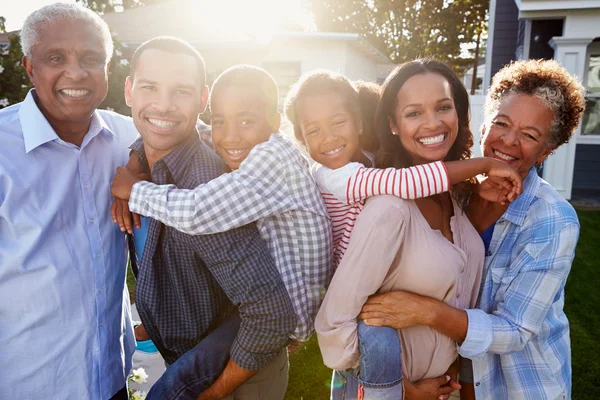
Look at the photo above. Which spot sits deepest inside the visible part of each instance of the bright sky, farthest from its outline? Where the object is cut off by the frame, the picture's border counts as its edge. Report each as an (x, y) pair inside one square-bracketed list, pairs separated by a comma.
[(15, 11), (263, 13)]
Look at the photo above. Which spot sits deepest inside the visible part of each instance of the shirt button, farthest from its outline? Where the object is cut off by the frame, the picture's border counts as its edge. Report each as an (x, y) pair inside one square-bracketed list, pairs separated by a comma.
[(86, 187), (457, 295), (101, 324), (97, 254), (478, 384), (92, 220), (489, 253), (462, 271), (100, 290)]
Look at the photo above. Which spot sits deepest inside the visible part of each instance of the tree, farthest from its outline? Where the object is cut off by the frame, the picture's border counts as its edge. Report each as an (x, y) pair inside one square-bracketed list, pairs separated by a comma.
[(407, 29), (14, 82)]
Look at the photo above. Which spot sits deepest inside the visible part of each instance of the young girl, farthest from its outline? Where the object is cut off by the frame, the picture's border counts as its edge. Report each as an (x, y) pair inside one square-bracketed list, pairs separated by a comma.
[(333, 118)]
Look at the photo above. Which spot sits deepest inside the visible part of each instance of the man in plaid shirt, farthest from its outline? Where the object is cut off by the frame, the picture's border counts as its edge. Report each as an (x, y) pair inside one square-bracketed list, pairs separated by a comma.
[(188, 285), (270, 184)]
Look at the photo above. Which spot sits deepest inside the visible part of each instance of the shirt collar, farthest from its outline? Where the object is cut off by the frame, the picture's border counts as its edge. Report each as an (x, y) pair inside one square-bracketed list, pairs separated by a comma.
[(517, 210), (37, 130), (178, 160)]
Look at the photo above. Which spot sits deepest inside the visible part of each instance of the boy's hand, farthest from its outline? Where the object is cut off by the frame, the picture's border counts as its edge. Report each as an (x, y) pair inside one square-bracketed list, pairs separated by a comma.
[(123, 183), (119, 210), (507, 177)]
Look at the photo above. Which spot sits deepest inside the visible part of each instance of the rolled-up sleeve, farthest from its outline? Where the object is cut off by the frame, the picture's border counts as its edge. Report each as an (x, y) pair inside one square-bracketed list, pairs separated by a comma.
[(242, 265), (543, 269)]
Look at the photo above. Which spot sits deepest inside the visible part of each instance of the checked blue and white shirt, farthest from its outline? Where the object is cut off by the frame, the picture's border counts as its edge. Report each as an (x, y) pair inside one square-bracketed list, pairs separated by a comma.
[(518, 338), (273, 186)]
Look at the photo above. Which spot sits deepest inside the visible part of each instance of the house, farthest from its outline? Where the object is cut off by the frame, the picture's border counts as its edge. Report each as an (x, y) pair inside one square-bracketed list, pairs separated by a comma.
[(568, 31), (286, 55)]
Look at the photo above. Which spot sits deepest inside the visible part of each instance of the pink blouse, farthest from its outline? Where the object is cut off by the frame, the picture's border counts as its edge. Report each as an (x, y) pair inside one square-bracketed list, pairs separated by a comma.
[(393, 248)]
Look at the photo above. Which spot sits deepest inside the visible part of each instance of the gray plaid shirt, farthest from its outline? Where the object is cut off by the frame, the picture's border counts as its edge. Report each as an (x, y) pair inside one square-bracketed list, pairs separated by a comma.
[(186, 284), (273, 187)]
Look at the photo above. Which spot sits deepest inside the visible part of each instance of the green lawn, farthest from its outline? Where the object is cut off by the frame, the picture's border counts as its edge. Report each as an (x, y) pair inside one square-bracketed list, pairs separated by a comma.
[(309, 379)]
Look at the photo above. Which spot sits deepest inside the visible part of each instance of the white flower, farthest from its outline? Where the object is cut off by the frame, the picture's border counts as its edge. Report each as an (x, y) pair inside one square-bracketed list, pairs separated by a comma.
[(1, 69), (124, 62), (138, 375), (18, 64), (118, 53), (109, 109), (4, 103), (139, 395), (5, 52), (23, 86)]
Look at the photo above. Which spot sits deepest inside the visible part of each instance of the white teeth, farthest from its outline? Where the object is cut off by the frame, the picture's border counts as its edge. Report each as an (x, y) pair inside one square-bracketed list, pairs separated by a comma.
[(235, 153), (504, 156), (75, 92), (433, 140), (335, 151), (161, 124)]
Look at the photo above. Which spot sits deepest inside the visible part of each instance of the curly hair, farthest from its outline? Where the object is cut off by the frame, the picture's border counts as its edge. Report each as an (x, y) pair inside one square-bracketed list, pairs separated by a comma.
[(391, 152), (361, 99), (550, 82)]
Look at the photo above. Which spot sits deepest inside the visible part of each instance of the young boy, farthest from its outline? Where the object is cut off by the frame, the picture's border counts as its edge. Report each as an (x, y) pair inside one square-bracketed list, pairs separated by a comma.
[(269, 183)]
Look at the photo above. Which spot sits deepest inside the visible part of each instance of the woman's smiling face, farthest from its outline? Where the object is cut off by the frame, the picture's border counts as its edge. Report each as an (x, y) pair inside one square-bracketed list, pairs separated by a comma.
[(518, 133), (426, 121)]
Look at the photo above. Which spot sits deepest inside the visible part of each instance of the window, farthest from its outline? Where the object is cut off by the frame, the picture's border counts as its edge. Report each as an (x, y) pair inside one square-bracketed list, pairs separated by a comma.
[(591, 117)]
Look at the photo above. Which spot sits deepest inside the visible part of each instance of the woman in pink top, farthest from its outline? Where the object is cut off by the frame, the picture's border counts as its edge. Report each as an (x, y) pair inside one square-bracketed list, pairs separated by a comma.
[(426, 246)]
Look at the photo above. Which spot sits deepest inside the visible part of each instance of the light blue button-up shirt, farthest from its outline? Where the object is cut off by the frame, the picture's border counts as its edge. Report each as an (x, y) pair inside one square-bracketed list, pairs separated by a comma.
[(65, 326), (518, 338)]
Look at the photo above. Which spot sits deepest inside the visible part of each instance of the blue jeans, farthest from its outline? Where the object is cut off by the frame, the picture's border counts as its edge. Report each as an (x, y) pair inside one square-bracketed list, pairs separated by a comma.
[(380, 367), (199, 367)]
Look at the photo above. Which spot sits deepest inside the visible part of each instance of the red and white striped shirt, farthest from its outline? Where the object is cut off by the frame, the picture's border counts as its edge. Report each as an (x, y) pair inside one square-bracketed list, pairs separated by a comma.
[(346, 189)]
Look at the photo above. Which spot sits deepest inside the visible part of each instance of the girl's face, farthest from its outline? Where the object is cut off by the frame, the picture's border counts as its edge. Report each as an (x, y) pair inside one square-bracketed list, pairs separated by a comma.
[(425, 117), (329, 129)]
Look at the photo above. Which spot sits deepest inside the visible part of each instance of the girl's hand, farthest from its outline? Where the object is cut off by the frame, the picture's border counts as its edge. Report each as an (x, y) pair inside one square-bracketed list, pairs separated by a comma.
[(504, 176)]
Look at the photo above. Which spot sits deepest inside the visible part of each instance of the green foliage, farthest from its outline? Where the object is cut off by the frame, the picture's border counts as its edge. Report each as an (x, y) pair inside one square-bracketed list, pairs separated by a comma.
[(309, 379), (407, 29), (14, 82), (118, 71)]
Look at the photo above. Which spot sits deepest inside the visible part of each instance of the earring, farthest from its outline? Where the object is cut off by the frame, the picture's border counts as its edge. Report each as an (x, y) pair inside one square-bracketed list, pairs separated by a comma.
[(394, 133)]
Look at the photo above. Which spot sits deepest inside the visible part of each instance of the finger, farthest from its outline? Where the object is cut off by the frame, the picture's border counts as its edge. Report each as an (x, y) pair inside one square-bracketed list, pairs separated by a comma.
[(120, 220), (127, 219), (442, 380), (454, 385), (376, 322), (113, 210), (137, 220), (442, 390)]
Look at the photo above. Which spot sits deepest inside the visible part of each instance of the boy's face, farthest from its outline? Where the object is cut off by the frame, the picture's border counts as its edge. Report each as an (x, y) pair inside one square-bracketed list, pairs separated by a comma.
[(166, 94), (240, 120), (330, 131)]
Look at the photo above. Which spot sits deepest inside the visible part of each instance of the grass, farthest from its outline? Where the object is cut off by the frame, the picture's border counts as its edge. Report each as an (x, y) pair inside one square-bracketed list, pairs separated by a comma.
[(309, 378)]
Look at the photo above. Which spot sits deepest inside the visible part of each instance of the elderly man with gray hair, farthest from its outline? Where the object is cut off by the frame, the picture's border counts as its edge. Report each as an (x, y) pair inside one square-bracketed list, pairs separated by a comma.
[(65, 329)]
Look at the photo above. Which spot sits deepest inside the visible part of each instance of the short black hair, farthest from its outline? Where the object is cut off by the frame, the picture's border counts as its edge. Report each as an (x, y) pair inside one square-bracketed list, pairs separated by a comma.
[(169, 44), (250, 77)]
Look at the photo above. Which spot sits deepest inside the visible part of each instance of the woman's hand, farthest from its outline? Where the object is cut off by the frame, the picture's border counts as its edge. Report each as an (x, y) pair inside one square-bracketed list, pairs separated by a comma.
[(430, 389), (396, 309)]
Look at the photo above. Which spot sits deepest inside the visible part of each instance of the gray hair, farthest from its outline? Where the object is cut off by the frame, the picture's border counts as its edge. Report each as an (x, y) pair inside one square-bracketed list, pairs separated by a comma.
[(54, 13), (547, 80)]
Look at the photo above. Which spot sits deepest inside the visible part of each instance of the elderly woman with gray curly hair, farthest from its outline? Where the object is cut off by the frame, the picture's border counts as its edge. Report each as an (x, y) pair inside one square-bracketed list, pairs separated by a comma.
[(515, 344)]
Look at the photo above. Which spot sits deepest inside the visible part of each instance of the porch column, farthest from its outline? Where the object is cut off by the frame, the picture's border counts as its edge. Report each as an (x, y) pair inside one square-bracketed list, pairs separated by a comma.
[(558, 168)]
